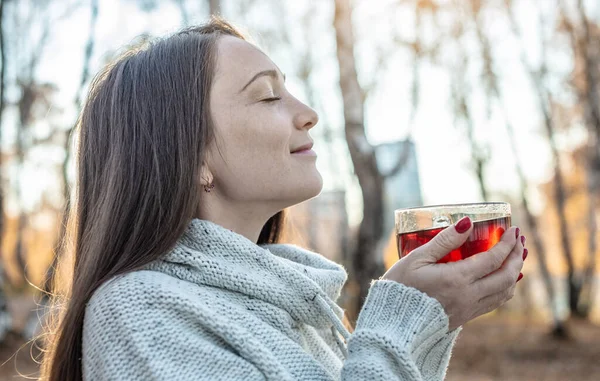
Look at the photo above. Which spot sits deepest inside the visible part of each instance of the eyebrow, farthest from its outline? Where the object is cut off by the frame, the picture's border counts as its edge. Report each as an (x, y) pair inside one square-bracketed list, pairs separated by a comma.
[(265, 73)]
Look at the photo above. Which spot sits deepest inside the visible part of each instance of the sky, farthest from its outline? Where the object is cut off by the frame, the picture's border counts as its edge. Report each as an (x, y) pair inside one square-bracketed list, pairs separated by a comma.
[(443, 152)]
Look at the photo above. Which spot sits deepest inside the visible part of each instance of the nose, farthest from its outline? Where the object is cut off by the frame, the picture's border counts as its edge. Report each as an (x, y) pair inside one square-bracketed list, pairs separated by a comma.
[(305, 118)]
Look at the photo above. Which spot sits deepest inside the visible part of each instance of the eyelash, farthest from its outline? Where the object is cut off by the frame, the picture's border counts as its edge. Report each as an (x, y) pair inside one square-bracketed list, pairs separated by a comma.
[(269, 100)]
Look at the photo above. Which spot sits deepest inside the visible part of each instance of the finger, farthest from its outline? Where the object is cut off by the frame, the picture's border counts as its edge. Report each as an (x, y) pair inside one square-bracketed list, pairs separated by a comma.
[(482, 264), (518, 251), (491, 302), (504, 278), (447, 240)]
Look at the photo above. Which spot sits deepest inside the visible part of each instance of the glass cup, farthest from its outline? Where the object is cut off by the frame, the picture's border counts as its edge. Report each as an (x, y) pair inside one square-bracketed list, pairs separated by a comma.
[(417, 226)]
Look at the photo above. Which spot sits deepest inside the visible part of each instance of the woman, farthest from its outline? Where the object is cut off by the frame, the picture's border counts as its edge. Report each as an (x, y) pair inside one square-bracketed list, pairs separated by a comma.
[(189, 151)]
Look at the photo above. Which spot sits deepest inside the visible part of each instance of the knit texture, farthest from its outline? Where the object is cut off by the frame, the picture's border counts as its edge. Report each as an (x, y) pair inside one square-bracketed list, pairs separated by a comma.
[(220, 307)]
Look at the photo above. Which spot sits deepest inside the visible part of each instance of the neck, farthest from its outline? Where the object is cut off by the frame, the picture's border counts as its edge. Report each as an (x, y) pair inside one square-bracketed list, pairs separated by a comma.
[(244, 219)]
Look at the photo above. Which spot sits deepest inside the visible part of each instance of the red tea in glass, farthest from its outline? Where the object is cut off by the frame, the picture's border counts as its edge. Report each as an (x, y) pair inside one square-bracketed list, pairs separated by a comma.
[(417, 226), (485, 234)]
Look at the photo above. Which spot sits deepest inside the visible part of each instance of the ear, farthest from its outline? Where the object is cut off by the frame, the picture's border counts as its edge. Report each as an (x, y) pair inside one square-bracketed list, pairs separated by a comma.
[(206, 176)]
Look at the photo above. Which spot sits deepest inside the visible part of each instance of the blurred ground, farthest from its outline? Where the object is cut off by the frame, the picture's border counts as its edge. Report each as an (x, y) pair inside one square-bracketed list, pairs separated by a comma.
[(499, 349), (495, 348), (15, 354)]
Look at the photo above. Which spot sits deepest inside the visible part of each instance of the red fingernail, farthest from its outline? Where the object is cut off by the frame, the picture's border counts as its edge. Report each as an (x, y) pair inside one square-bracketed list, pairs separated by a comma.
[(517, 233), (463, 225), (520, 277), (523, 240), (525, 252)]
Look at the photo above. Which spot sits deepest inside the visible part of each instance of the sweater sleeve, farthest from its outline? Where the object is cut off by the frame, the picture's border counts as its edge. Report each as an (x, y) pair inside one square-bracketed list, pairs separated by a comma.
[(137, 331), (401, 334), (129, 338)]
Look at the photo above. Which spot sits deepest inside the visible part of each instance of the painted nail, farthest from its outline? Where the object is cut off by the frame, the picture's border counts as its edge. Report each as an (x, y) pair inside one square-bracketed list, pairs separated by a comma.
[(525, 252), (463, 225), (520, 277), (523, 240), (517, 233)]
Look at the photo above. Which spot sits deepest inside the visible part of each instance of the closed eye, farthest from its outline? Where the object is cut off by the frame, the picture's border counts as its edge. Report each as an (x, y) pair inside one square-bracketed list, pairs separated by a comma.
[(273, 99)]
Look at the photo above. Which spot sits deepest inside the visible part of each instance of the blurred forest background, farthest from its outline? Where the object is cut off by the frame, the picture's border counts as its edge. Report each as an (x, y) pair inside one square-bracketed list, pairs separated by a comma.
[(420, 102)]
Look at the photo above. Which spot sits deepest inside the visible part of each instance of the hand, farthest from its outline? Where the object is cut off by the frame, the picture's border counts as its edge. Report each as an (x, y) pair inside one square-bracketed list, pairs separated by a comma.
[(467, 288)]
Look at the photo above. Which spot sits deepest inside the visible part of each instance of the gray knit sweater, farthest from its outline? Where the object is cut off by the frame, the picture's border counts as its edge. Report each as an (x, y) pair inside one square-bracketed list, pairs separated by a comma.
[(220, 307)]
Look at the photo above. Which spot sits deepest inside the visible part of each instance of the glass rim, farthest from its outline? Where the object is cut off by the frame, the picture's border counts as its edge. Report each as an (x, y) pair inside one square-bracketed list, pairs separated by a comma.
[(433, 216), (425, 207)]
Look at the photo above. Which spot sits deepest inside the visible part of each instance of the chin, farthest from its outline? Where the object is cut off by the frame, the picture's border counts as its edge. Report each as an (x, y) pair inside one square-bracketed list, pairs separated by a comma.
[(315, 188), (306, 190)]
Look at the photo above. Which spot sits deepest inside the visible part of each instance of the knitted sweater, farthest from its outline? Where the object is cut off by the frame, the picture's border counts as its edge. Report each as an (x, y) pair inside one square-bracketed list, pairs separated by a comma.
[(220, 307)]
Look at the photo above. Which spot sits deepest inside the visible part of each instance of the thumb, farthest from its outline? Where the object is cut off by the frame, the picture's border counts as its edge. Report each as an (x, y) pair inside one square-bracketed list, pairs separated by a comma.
[(447, 240)]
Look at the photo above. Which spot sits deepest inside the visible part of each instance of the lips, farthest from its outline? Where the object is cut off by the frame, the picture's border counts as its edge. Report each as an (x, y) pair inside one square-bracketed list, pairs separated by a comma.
[(304, 147)]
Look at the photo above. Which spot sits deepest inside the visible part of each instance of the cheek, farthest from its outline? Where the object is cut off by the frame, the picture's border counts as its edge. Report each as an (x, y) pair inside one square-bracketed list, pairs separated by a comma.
[(254, 153), (254, 162), (261, 144)]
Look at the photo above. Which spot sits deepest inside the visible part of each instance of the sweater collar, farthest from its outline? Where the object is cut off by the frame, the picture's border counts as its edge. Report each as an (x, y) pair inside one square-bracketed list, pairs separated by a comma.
[(284, 275)]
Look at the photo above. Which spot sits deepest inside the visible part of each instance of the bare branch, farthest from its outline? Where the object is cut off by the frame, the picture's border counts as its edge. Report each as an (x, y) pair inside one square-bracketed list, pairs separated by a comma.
[(89, 48), (493, 91), (587, 92), (417, 51), (462, 110), (545, 102), (590, 72)]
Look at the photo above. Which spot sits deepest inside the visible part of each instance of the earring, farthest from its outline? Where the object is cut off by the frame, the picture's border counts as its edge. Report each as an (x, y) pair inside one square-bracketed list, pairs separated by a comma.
[(209, 187)]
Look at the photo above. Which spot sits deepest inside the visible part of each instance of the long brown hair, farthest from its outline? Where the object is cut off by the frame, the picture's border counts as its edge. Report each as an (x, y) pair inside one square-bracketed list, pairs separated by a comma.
[(142, 136)]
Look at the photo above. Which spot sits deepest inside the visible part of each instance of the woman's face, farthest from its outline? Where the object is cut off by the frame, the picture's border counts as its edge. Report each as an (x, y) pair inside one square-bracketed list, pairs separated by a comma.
[(258, 125)]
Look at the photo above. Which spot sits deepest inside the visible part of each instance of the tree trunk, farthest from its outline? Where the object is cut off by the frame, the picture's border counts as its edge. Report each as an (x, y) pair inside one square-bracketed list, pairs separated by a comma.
[(560, 196), (214, 7), (588, 284), (366, 262), (5, 318), (20, 253), (89, 49), (32, 327), (559, 329), (491, 80), (590, 57)]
